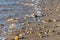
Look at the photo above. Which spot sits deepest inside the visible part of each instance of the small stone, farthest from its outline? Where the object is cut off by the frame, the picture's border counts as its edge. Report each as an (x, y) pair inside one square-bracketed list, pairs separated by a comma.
[(39, 34), (59, 14), (27, 32), (31, 32), (57, 10), (51, 30), (43, 21), (16, 38), (36, 16), (20, 35), (45, 32), (54, 20), (39, 29), (49, 21)]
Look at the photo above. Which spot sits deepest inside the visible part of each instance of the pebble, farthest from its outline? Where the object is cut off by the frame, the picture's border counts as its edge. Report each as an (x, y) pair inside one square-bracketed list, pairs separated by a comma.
[(51, 30), (45, 32), (39, 34), (43, 21), (27, 32), (20, 35), (54, 20), (36, 16), (30, 32)]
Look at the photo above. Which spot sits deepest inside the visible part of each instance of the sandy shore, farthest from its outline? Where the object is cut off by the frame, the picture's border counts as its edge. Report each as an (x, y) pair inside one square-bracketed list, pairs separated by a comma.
[(31, 20)]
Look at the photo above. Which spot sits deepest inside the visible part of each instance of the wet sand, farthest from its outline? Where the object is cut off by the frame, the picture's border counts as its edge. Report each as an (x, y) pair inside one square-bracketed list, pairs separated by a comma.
[(30, 20)]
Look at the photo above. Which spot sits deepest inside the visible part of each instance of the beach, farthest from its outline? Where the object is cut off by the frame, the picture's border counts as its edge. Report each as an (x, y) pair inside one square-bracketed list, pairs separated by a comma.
[(30, 19)]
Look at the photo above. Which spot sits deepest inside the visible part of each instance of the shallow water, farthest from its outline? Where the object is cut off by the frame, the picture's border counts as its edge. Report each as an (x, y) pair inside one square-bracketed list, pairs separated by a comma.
[(19, 9)]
